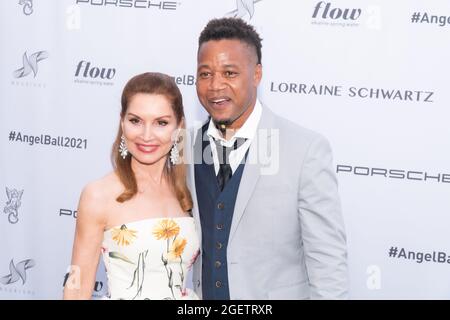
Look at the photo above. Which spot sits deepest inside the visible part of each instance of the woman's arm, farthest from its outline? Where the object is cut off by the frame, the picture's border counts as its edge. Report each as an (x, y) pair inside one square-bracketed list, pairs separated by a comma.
[(87, 245)]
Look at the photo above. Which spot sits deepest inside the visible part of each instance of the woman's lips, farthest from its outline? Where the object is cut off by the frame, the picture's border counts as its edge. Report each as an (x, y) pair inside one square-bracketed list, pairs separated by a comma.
[(147, 148)]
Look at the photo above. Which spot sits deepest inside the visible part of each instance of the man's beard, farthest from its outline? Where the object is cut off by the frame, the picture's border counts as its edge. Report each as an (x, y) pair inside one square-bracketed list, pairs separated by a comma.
[(223, 124)]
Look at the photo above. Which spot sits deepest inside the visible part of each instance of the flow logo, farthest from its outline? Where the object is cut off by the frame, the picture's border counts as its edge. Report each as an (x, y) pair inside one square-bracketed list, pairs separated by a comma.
[(335, 13), (85, 70), (30, 64), (98, 286)]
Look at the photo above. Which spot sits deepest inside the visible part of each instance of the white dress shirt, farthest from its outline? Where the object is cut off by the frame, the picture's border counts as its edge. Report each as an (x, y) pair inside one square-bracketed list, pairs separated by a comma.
[(247, 131)]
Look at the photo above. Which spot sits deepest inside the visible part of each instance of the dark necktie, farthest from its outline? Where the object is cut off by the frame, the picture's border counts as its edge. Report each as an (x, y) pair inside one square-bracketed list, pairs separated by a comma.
[(223, 154)]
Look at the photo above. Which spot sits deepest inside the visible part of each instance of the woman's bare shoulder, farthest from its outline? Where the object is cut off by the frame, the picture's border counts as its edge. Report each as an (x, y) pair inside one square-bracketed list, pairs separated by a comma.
[(99, 194), (101, 188)]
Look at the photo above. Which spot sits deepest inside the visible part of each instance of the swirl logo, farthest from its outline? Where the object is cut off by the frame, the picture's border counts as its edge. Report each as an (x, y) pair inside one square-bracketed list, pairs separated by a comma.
[(30, 64), (243, 8), (18, 271), (27, 6)]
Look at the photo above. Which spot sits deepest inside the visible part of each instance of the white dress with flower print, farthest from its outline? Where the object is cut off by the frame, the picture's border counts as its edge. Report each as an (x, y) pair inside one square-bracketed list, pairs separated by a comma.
[(150, 259)]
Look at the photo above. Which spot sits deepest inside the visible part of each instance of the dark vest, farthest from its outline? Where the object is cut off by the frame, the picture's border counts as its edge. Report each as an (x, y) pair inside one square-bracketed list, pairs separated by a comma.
[(216, 212)]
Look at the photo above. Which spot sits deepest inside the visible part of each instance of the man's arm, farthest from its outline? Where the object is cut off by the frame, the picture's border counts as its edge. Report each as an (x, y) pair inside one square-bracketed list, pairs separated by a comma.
[(323, 230)]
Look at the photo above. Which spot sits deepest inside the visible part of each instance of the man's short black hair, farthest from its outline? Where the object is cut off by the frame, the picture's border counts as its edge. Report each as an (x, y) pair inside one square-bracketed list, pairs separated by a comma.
[(231, 28)]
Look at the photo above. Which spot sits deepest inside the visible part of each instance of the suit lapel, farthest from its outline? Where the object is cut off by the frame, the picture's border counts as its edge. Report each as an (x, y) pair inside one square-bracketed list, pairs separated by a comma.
[(193, 150), (252, 168)]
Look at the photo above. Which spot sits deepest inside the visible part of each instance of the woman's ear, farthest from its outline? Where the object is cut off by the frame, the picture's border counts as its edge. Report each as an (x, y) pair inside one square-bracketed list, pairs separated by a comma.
[(182, 123)]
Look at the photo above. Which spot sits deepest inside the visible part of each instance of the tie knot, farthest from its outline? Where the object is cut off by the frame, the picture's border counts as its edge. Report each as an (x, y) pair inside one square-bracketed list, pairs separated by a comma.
[(223, 152)]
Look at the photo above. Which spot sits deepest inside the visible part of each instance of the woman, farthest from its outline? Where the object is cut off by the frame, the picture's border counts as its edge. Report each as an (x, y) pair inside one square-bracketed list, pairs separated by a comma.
[(137, 216)]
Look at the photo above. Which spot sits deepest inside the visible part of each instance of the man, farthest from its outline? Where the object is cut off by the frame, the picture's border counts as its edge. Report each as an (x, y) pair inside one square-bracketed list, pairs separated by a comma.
[(269, 229)]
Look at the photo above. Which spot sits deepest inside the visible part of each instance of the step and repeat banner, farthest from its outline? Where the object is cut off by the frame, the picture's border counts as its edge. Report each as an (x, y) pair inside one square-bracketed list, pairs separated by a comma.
[(372, 76)]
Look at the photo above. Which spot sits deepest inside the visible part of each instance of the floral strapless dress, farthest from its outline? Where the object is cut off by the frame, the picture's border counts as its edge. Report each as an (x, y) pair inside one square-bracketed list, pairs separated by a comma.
[(150, 258)]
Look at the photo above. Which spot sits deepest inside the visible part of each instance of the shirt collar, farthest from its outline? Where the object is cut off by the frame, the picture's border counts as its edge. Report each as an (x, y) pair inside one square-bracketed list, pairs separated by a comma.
[(247, 130)]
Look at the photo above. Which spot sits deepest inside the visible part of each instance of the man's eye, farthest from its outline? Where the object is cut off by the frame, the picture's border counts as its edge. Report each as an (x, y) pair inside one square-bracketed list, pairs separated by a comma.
[(205, 75), (230, 73)]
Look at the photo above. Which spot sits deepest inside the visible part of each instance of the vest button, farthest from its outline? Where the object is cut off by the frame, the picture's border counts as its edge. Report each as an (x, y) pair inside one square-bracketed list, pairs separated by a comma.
[(220, 206), (218, 245), (217, 264), (218, 284), (219, 226)]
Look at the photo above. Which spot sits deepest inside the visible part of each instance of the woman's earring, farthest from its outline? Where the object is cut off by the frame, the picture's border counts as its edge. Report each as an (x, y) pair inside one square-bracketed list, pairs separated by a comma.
[(175, 154), (123, 148)]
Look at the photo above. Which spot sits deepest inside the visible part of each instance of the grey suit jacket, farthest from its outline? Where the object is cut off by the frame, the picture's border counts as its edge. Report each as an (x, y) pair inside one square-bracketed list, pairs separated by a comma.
[(287, 238)]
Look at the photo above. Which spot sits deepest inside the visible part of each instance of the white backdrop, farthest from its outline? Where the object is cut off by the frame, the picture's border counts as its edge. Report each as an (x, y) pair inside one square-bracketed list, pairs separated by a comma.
[(372, 76)]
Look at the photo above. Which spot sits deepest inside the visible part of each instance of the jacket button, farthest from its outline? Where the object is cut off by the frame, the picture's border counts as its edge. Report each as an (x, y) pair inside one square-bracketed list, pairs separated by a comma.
[(219, 245), (220, 206), (218, 284), (219, 226), (217, 264)]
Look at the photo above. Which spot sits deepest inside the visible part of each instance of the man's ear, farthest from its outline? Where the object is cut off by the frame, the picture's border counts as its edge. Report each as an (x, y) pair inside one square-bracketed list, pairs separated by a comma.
[(258, 74)]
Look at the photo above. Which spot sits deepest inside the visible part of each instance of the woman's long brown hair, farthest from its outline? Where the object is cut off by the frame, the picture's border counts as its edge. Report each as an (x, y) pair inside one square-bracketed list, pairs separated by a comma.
[(153, 83)]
